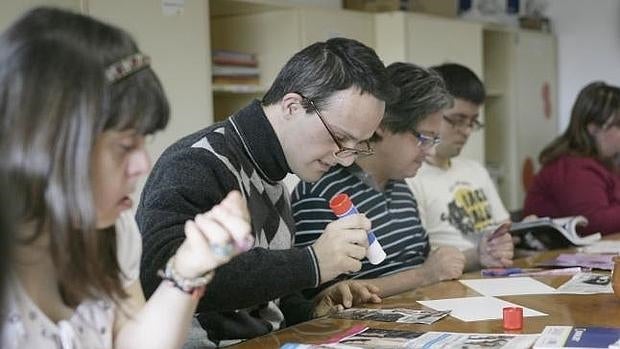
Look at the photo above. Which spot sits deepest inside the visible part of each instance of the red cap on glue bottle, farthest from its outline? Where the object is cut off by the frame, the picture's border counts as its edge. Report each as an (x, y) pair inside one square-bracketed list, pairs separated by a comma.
[(342, 206)]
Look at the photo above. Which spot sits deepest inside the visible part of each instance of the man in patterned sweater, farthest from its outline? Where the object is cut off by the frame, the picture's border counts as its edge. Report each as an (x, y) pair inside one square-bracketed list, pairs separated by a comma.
[(251, 152), (407, 135)]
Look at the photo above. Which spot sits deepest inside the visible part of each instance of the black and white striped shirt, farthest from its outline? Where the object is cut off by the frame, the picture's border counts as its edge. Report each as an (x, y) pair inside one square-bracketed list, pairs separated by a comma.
[(393, 213)]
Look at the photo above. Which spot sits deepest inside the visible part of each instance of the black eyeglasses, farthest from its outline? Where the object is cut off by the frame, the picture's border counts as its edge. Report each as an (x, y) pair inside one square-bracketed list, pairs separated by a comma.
[(426, 142), (463, 123), (343, 152)]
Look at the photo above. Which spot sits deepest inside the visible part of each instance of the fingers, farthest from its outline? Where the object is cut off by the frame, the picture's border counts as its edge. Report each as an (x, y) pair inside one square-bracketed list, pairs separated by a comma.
[(229, 214), (356, 221), (345, 294), (356, 252)]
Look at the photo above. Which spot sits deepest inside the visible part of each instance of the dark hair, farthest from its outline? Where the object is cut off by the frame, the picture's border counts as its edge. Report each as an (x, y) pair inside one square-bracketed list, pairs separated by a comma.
[(54, 102), (598, 104), (323, 68), (422, 92), (461, 82), (6, 234)]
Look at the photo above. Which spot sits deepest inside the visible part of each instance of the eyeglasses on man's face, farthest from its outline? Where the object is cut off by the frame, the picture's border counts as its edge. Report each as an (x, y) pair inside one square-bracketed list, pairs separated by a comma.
[(343, 153), (426, 142), (463, 122)]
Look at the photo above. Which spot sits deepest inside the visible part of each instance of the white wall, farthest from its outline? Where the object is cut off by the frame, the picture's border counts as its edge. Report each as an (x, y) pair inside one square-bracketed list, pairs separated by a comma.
[(588, 35)]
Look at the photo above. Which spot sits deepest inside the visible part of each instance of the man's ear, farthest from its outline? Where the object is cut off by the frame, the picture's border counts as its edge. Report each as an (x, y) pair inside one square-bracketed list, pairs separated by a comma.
[(291, 104), (593, 129), (380, 131)]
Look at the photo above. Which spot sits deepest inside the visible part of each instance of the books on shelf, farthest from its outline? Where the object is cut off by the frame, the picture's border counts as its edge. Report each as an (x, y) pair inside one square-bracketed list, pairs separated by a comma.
[(235, 58), (551, 233), (554, 337), (235, 69)]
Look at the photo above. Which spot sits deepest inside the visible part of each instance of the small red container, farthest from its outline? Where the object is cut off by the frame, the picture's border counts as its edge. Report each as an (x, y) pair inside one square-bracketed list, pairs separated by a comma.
[(513, 318)]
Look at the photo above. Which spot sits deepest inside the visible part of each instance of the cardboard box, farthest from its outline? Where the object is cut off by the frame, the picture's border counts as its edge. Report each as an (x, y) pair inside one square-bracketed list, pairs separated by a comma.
[(445, 8), (373, 5)]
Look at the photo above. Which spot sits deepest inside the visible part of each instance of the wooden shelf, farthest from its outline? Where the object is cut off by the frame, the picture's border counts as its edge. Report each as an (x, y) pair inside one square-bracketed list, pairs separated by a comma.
[(238, 89)]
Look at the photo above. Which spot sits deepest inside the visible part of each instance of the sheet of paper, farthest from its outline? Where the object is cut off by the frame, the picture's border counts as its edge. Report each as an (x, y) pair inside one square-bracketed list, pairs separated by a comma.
[(476, 308), (510, 286)]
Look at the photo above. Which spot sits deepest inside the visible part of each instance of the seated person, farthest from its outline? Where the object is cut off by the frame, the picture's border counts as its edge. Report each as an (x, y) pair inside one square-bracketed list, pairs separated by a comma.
[(579, 174), (375, 184), (457, 200), (77, 99), (251, 152)]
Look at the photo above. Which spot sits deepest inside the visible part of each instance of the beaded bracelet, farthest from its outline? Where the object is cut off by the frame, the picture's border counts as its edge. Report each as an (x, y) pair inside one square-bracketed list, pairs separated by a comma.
[(193, 286)]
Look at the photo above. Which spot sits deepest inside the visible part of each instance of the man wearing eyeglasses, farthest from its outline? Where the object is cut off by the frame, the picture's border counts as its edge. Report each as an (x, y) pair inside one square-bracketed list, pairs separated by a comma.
[(457, 200), (408, 133), (251, 152)]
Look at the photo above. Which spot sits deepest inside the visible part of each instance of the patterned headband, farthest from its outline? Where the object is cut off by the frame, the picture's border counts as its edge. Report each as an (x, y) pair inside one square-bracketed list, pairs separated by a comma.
[(126, 66)]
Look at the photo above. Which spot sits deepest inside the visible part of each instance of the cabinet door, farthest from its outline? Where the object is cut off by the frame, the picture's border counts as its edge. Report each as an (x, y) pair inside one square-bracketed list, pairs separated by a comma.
[(320, 25), (433, 40), (536, 109)]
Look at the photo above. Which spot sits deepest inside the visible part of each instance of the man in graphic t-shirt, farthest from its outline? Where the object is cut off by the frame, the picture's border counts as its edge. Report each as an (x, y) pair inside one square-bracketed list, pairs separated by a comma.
[(457, 199)]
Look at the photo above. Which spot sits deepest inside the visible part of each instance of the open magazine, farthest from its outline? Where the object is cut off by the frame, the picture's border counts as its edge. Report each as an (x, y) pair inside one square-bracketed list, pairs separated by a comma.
[(374, 338), (551, 233), (555, 337)]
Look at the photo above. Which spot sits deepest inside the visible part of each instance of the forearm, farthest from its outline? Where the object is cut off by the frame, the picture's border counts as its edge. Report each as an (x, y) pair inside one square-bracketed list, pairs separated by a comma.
[(155, 325), (258, 276), (404, 281), (472, 259)]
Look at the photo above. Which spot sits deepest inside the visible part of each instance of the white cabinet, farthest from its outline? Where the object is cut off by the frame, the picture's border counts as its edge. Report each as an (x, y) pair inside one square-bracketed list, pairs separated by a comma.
[(428, 40), (10, 10), (521, 109), (274, 34)]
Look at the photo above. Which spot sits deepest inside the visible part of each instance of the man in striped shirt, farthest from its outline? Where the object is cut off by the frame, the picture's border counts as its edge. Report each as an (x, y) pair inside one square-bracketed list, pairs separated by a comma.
[(407, 134)]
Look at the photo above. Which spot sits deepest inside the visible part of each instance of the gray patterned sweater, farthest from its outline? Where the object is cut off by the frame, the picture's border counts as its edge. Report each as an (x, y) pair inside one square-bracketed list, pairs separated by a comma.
[(194, 174)]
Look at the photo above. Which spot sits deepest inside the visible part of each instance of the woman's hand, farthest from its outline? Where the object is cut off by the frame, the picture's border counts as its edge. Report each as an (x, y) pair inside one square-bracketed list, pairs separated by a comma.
[(214, 237)]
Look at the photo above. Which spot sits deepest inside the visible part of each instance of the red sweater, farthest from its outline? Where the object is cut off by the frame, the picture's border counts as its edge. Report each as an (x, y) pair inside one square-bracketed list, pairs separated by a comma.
[(572, 186)]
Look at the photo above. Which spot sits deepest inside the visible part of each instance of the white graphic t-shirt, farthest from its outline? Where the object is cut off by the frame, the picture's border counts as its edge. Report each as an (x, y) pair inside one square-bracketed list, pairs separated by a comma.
[(24, 325), (456, 204)]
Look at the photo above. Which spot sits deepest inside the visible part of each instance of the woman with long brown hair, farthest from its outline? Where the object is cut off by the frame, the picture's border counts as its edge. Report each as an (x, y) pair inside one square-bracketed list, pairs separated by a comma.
[(77, 99), (579, 174)]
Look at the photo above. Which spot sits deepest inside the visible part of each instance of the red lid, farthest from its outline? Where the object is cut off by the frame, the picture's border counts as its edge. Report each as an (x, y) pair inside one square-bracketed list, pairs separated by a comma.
[(513, 318), (340, 204)]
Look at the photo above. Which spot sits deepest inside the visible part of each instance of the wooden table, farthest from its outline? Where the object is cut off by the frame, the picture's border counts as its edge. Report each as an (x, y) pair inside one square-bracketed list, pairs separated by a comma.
[(583, 310)]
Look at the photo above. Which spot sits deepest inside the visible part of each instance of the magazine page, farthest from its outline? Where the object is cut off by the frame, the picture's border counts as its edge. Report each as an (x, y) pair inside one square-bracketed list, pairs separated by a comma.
[(554, 337), (449, 340), (584, 260), (410, 316), (587, 283), (546, 233), (374, 338)]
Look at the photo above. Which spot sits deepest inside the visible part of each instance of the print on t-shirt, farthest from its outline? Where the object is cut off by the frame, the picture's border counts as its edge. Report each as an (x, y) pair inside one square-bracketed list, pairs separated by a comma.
[(469, 211)]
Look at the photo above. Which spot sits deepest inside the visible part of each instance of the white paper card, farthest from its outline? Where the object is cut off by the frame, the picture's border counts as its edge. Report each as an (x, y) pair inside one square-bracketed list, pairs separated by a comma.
[(172, 7), (510, 286), (476, 308)]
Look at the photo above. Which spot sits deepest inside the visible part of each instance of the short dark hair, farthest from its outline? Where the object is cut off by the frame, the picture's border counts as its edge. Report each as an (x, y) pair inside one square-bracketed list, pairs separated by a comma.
[(421, 93), (55, 101), (462, 82), (323, 68)]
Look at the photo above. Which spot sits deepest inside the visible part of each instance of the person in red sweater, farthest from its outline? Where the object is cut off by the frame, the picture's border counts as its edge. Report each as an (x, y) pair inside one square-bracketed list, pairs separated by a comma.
[(579, 174)]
